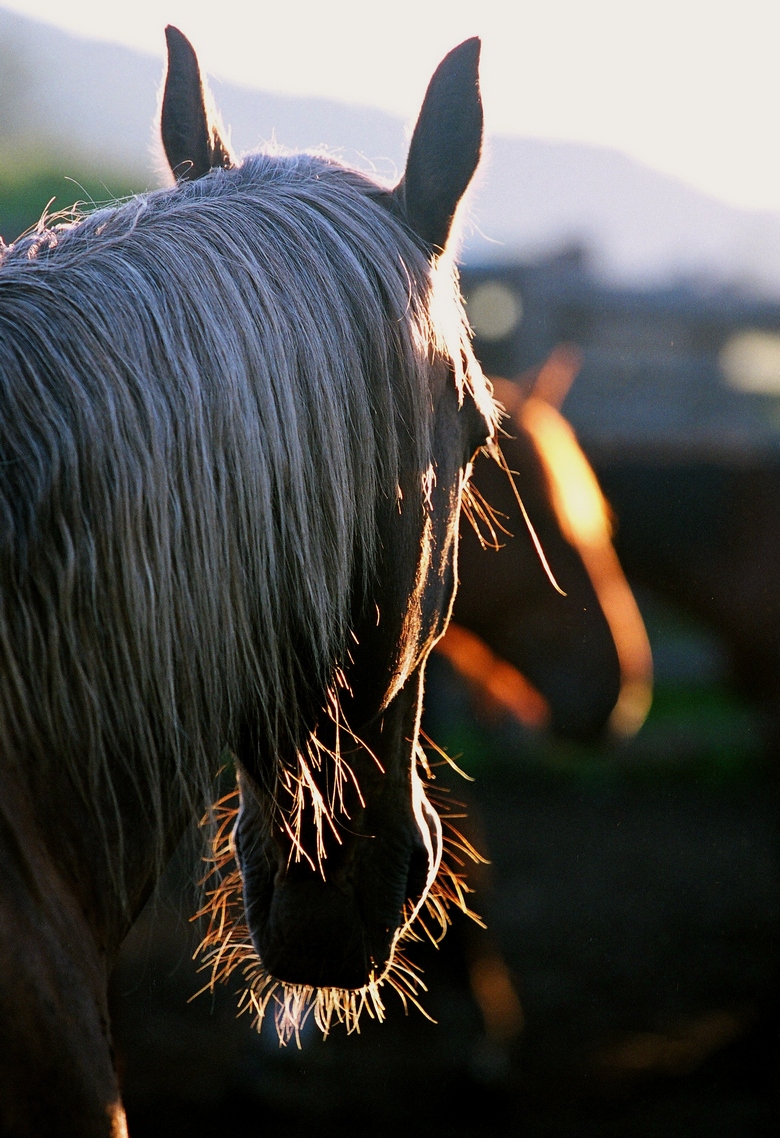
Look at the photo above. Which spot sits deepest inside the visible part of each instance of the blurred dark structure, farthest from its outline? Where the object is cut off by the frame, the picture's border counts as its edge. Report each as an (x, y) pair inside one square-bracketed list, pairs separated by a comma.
[(652, 377)]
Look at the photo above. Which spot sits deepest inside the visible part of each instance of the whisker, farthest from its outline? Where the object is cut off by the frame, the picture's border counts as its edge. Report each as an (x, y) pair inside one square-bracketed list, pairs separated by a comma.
[(479, 512), (226, 947), (534, 537)]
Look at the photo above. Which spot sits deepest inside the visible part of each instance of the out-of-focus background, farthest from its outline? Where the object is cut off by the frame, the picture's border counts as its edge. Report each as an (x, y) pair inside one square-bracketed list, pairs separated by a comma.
[(629, 205)]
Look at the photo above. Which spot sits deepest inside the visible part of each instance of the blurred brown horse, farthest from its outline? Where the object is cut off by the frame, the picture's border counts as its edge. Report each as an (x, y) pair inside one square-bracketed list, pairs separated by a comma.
[(576, 662)]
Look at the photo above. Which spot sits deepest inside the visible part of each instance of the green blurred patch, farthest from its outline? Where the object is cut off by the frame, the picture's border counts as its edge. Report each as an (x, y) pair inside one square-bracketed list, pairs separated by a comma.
[(714, 720), (24, 196), (694, 734)]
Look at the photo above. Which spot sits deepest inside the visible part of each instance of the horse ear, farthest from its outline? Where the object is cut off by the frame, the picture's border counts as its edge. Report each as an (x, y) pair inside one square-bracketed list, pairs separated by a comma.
[(192, 143), (445, 146)]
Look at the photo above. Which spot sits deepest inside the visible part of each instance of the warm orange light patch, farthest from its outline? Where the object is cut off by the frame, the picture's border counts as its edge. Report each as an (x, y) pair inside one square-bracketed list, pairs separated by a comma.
[(498, 1001), (509, 394), (578, 501), (117, 1121), (583, 516), (677, 1051), (498, 682), (550, 382), (557, 374)]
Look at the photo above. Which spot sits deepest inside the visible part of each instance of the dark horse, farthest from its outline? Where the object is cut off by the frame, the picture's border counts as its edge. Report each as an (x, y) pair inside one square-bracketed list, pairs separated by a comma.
[(576, 662), (237, 419)]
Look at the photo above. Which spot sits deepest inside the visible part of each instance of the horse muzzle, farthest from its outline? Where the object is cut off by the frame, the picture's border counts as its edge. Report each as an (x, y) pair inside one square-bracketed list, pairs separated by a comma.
[(332, 921)]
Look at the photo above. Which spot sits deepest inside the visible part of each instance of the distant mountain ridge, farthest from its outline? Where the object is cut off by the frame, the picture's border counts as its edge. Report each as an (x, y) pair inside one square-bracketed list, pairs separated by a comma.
[(99, 100)]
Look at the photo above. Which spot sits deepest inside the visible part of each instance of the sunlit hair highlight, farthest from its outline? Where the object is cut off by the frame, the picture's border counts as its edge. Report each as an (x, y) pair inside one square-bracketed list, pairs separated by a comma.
[(226, 948), (205, 396)]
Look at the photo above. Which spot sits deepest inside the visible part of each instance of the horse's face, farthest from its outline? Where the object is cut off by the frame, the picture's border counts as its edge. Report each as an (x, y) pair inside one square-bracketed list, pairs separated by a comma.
[(332, 920), (335, 861)]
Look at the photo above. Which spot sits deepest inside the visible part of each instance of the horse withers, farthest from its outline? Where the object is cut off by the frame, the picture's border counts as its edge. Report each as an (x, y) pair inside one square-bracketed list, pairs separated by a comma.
[(237, 419)]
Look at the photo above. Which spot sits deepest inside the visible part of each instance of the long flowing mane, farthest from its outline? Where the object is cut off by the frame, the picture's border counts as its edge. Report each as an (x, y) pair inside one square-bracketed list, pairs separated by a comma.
[(173, 363)]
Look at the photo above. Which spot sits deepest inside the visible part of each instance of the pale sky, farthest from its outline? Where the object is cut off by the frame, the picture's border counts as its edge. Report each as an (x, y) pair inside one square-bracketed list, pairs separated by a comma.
[(690, 87)]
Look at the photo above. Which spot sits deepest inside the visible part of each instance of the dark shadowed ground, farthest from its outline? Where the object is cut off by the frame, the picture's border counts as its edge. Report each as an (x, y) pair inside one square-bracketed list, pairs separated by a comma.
[(636, 899)]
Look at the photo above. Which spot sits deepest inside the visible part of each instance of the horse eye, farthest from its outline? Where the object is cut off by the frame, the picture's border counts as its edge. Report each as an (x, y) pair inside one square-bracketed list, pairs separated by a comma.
[(478, 429)]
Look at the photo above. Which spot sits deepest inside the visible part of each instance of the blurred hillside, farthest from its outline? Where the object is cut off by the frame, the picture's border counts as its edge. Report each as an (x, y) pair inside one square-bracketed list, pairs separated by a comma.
[(84, 108)]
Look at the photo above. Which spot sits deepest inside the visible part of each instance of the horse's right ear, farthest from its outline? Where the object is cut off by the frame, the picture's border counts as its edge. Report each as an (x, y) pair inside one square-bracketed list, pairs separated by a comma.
[(192, 143), (445, 147)]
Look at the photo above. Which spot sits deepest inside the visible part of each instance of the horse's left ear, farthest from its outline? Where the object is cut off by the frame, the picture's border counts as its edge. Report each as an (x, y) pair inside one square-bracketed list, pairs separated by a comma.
[(445, 146), (192, 143)]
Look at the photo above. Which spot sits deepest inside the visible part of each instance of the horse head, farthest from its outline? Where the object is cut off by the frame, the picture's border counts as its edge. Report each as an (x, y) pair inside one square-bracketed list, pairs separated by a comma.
[(335, 841), (575, 658)]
